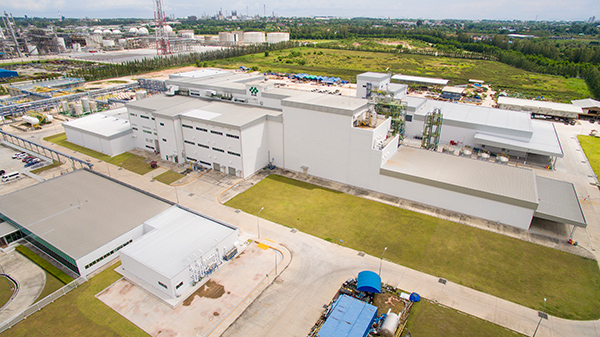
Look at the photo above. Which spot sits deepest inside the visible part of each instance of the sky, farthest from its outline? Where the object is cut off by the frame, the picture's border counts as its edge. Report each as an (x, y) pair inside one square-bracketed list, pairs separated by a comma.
[(550, 10)]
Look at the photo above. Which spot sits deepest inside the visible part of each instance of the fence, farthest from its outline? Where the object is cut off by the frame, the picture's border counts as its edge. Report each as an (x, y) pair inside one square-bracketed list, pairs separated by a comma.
[(41, 303)]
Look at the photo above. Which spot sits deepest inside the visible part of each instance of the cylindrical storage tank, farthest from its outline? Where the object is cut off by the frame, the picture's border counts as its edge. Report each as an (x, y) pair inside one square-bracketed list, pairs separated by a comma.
[(277, 37), (85, 103), (141, 94), (31, 120), (65, 106), (143, 31), (106, 31), (254, 37), (122, 42), (133, 30), (49, 118), (108, 43), (116, 32), (93, 106), (78, 109), (390, 324), (72, 108), (98, 31), (226, 37)]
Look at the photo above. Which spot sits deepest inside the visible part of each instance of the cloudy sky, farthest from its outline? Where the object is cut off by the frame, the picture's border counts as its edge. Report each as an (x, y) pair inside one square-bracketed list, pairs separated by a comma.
[(429, 9)]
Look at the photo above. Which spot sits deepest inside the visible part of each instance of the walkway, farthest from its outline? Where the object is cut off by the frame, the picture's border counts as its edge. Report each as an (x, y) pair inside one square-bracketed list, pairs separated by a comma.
[(29, 276)]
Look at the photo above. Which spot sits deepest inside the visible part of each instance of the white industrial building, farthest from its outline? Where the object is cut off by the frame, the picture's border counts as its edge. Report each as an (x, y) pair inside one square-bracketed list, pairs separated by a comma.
[(561, 110), (369, 82), (179, 249), (590, 107), (341, 139), (107, 132)]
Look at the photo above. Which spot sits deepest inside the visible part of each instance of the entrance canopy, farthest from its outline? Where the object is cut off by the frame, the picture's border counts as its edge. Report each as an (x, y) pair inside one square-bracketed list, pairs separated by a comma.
[(559, 202)]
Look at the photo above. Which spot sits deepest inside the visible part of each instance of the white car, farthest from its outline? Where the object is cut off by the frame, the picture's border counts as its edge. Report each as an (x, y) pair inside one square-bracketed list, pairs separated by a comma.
[(19, 155)]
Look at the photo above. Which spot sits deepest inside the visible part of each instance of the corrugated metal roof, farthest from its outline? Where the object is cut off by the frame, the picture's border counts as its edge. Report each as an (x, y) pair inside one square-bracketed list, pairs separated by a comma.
[(528, 103), (343, 105), (587, 103), (369, 75), (544, 141), (349, 317), (177, 235), (559, 202), (513, 185), (101, 125), (80, 211), (419, 79)]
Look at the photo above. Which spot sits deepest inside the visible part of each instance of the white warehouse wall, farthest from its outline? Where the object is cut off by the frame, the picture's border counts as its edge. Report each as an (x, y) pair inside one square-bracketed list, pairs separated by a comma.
[(147, 275), (255, 147), (275, 142)]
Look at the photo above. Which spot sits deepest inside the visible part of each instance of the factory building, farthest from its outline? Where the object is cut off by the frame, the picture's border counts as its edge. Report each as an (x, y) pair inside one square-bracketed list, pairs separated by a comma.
[(560, 110), (420, 81), (590, 107), (370, 82), (341, 138), (84, 219), (106, 132), (452, 93)]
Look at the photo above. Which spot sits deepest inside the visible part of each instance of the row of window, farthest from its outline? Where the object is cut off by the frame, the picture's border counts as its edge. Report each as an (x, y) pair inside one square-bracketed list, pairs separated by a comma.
[(107, 254), (214, 148), (162, 285), (141, 116)]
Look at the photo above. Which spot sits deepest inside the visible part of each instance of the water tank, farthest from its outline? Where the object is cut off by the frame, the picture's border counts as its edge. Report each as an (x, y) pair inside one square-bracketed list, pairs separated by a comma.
[(108, 43), (277, 37), (85, 103), (78, 109), (49, 118), (106, 31), (141, 94), (254, 37), (98, 31), (168, 29), (93, 106), (31, 120), (65, 106), (390, 324), (143, 31), (133, 30), (226, 37), (116, 31)]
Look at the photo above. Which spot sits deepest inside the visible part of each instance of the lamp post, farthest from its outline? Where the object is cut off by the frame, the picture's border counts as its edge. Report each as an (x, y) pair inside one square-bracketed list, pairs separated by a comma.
[(544, 304), (381, 261), (257, 224)]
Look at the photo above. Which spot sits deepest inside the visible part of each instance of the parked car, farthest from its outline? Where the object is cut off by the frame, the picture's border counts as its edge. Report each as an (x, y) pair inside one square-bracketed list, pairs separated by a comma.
[(26, 159), (32, 162), (10, 176), (19, 155)]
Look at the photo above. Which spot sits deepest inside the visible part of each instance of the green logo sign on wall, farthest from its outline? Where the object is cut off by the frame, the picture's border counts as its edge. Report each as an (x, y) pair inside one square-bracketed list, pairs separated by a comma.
[(253, 91)]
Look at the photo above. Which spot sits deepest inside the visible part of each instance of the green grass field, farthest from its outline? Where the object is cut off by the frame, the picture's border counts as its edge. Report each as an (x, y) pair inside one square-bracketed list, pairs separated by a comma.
[(508, 268), (79, 313), (126, 160), (449, 322), (52, 285), (6, 290), (591, 148), (45, 265), (347, 64), (169, 177)]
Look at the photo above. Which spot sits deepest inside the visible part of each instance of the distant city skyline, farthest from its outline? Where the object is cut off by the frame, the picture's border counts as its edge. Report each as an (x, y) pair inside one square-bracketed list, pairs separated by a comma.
[(550, 10)]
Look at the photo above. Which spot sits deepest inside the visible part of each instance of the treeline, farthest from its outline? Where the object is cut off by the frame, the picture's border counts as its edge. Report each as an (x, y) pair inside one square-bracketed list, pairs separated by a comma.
[(103, 71)]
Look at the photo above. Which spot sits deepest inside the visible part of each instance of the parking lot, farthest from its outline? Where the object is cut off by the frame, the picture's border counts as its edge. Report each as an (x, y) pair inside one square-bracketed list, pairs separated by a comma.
[(10, 165)]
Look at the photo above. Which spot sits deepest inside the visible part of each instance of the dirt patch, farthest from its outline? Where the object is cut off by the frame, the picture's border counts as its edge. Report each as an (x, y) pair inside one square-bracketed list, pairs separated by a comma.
[(210, 289), (386, 301)]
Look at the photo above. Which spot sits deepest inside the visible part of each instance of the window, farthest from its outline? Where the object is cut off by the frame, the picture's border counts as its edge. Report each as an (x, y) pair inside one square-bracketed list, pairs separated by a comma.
[(144, 117), (233, 136), (107, 254), (201, 129), (164, 140), (162, 124), (162, 285), (150, 147), (132, 114), (179, 285), (152, 118), (409, 118), (190, 159), (218, 150), (202, 145), (135, 128), (147, 131), (234, 154), (188, 142), (205, 163), (216, 132), (187, 126)]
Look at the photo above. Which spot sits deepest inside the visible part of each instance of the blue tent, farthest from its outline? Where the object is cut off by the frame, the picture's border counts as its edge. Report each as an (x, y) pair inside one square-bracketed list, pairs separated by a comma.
[(369, 281), (4, 73)]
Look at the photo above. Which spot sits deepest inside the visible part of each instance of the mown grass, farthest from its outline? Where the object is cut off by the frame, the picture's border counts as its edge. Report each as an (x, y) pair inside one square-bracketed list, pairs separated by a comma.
[(428, 319), (591, 148), (126, 160), (7, 289), (168, 177), (346, 64), (52, 284), (47, 266), (79, 313), (508, 268)]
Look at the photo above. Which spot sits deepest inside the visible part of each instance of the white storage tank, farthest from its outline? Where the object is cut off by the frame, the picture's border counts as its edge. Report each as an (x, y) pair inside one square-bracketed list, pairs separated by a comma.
[(226, 37), (65, 106), (143, 31), (31, 120), (93, 106), (85, 103), (49, 118), (108, 43), (390, 324), (140, 94), (277, 37), (106, 32), (254, 37), (78, 109), (133, 30)]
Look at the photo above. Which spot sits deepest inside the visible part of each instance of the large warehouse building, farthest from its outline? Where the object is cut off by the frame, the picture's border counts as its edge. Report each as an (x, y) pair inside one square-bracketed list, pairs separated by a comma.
[(238, 123), (82, 219)]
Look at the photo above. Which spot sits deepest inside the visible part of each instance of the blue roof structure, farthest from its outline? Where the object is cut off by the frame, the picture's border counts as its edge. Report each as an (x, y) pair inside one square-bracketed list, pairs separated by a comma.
[(369, 281), (349, 317), (4, 73)]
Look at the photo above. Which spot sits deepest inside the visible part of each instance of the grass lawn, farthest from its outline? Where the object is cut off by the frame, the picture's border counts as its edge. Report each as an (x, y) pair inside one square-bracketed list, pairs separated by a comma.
[(169, 177), (591, 148), (508, 268), (126, 160), (52, 285), (346, 64), (47, 167), (6, 290), (79, 313), (449, 322), (45, 265)]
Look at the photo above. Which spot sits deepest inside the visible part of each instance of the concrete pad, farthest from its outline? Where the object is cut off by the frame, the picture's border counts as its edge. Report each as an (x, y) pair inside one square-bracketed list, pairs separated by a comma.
[(242, 278), (30, 279)]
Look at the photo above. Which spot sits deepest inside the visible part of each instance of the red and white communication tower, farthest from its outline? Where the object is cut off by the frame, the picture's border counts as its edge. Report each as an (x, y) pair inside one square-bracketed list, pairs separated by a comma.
[(160, 22)]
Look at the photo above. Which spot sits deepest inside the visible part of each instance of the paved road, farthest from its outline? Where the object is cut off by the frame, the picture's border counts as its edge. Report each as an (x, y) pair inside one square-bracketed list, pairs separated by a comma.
[(292, 304)]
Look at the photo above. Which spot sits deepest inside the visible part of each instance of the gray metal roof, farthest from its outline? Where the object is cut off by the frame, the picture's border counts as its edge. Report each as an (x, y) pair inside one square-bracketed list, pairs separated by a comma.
[(101, 125), (178, 235), (343, 105), (80, 211), (587, 103), (487, 180), (534, 104), (229, 114), (6, 228), (559, 202), (369, 75), (419, 79)]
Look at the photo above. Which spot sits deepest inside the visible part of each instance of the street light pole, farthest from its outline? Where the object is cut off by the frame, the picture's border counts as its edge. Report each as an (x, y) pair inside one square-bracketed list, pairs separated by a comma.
[(257, 224), (381, 261), (544, 304)]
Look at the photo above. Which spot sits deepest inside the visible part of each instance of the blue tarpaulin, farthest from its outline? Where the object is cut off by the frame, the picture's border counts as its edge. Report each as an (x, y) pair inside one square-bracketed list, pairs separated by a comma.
[(369, 281), (4, 73), (349, 317), (414, 297)]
